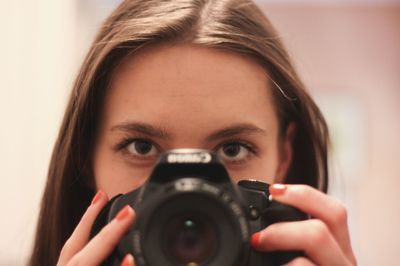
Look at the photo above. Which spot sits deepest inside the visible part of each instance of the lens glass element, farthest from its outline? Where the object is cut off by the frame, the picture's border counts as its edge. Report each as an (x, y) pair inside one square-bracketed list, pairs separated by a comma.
[(190, 239)]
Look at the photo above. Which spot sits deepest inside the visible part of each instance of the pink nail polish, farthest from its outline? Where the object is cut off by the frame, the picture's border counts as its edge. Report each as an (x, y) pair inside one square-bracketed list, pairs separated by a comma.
[(255, 240), (122, 214), (127, 261), (277, 189), (97, 197)]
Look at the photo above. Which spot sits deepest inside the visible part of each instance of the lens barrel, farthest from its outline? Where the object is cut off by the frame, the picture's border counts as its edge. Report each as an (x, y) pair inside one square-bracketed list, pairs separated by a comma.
[(190, 223)]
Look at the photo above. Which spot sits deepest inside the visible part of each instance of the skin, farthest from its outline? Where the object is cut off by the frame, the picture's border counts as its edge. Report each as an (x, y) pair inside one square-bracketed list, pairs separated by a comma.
[(182, 96), (162, 87)]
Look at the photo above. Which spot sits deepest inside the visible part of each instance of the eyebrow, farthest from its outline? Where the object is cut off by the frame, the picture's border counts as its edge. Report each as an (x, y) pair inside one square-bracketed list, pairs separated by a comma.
[(146, 129), (238, 129), (161, 133)]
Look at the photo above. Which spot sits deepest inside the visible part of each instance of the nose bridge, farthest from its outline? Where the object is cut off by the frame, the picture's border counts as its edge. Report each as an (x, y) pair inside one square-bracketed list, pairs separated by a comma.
[(188, 122), (189, 136)]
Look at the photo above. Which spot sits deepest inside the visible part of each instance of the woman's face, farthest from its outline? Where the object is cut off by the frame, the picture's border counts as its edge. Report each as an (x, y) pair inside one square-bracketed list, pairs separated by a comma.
[(183, 96)]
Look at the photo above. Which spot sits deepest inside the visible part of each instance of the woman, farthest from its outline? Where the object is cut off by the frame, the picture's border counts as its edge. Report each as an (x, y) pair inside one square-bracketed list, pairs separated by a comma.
[(188, 74)]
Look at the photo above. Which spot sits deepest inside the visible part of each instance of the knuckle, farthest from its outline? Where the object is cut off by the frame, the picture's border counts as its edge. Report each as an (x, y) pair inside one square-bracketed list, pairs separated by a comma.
[(340, 213), (103, 235), (300, 261), (353, 261), (302, 190), (75, 261), (105, 232), (65, 250), (105, 238), (319, 233)]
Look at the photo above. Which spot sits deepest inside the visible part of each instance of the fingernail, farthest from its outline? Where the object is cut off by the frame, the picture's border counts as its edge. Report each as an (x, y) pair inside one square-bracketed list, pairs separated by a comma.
[(97, 197), (255, 240), (122, 214), (277, 189), (128, 260)]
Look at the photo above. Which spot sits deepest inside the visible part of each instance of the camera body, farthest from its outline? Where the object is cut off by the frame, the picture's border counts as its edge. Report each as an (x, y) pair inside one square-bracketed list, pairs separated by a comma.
[(190, 213)]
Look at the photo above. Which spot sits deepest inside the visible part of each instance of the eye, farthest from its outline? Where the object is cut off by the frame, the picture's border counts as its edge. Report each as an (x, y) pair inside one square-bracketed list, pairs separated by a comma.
[(141, 148), (233, 152)]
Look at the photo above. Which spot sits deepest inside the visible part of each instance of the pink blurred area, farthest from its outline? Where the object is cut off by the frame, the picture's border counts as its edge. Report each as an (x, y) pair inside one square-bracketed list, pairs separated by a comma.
[(349, 56)]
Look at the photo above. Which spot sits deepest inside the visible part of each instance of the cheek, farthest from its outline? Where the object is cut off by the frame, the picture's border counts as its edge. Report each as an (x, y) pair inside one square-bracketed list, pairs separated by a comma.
[(262, 168), (114, 175)]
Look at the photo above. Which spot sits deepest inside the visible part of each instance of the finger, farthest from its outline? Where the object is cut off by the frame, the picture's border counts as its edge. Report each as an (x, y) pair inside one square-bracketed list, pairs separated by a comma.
[(80, 236), (101, 246), (318, 205), (300, 261), (311, 236), (128, 260)]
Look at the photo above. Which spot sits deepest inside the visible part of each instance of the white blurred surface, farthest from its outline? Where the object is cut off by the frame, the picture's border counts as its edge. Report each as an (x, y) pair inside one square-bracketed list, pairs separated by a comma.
[(37, 49), (349, 56)]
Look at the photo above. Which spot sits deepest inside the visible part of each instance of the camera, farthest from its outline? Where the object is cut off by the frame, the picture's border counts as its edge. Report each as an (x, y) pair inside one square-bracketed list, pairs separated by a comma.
[(189, 213)]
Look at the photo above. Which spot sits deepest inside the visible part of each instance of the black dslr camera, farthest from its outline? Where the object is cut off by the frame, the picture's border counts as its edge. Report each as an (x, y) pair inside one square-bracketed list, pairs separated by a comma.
[(189, 213)]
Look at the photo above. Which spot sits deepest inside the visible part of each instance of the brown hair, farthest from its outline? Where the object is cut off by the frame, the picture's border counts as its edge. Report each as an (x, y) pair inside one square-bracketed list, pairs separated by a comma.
[(230, 25)]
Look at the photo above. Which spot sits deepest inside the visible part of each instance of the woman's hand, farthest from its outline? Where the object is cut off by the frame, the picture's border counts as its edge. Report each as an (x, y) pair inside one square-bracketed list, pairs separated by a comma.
[(78, 250), (324, 239)]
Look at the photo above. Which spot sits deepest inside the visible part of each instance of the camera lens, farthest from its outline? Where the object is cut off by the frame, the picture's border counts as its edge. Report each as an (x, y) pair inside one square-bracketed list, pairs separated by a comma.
[(190, 239), (190, 227)]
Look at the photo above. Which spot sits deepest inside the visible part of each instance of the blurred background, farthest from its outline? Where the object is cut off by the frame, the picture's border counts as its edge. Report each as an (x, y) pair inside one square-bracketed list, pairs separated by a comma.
[(348, 53)]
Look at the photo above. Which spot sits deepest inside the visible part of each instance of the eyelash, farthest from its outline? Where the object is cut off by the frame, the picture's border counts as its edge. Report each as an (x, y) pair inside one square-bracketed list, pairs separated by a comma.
[(248, 146), (122, 147)]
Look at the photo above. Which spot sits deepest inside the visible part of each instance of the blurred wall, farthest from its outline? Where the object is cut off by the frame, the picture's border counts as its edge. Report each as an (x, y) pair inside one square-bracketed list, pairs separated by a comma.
[(349, 56)]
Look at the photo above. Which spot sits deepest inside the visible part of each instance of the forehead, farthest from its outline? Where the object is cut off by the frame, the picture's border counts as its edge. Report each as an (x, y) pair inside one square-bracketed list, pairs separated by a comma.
[(186, 83)]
